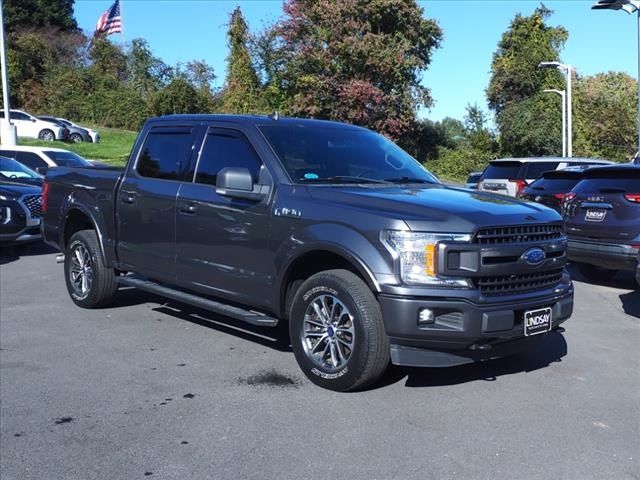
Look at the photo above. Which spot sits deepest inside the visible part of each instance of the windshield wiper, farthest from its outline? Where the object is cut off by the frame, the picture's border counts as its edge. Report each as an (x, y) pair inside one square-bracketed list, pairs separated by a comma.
[(343, 179), (408, 180)]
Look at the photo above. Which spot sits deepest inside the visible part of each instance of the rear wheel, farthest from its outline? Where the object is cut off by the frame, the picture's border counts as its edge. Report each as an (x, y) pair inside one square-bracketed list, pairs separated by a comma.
[(46, 135), (89, 282), (593, 272), (337, 333)]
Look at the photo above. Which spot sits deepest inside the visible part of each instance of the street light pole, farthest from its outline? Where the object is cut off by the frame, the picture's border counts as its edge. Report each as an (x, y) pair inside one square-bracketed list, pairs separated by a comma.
[(568, 69), (563, 96), (629, 6), (8, 129)]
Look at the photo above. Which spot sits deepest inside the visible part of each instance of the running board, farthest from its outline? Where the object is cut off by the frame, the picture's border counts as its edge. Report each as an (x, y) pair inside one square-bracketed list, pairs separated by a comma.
[(249, 316)]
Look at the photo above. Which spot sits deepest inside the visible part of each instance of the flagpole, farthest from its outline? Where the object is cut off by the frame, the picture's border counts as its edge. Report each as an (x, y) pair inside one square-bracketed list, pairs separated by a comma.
[(122, 38)]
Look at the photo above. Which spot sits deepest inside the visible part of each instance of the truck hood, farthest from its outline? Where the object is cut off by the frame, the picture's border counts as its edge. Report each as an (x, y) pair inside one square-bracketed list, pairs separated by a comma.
[(15, 190), (436, 208)]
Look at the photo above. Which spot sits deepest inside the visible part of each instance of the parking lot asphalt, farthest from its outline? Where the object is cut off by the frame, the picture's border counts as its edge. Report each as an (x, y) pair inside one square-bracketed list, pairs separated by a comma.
[(156, 389)]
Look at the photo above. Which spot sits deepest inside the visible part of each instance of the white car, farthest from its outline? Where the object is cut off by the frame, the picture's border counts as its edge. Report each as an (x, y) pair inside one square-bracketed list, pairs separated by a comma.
[(29, 126), (94, 134), (508, 176), (41, 159)]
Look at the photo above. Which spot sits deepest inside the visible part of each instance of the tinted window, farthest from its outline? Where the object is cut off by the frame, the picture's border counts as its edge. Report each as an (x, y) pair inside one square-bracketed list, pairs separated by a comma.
[(8, 153), (19, 116), (226, 148), (321, 152), (536, 169), (11, 169), (165, 152), (474, 178), (31, 160), (502, 170), (601, 185), (563, 185), (67, 159)]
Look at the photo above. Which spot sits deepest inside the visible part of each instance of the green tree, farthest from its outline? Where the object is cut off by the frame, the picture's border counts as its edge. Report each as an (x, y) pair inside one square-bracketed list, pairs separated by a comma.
[(605, 113), (357, 61), (241, 92), (30, 14), (514, 91), (146, 73), (179, 96)]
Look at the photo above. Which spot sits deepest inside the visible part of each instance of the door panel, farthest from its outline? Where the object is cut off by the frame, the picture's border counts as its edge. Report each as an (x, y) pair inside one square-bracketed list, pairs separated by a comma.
[(146, 203), (222, 243)]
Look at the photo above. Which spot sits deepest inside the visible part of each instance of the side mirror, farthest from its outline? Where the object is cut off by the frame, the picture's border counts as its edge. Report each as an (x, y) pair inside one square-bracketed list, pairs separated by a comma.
[(42, 170), (238, 183), (33, 120)]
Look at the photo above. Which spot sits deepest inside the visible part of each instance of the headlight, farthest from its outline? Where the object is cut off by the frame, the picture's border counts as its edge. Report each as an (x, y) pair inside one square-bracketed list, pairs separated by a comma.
[(417, 254)]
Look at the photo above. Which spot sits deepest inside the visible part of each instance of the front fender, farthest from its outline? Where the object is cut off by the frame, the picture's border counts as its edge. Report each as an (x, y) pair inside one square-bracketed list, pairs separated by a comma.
[(372, 261)]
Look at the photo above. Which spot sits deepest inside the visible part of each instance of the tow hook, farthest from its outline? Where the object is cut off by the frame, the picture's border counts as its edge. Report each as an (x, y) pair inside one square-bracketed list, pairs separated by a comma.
[(60, 258)]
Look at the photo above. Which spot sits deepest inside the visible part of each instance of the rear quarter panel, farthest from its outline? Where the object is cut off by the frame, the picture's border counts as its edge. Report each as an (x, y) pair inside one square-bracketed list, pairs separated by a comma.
[(90, 191)]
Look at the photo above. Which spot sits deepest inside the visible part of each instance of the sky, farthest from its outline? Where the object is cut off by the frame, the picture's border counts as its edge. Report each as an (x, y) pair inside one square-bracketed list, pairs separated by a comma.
[(183, 30)]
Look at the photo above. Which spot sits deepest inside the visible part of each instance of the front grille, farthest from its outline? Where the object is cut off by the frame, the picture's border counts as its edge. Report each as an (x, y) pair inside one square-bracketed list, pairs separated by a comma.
[(519, 234), (519, 283), (34, 204)]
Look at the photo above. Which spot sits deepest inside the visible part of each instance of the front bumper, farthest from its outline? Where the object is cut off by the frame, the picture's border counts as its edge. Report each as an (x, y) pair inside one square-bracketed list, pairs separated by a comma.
[(463, 331), (615, 256), (17, 224)]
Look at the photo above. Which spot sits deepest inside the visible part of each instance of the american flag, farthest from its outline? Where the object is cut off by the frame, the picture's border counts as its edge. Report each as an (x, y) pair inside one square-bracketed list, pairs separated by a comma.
[(110, 21)]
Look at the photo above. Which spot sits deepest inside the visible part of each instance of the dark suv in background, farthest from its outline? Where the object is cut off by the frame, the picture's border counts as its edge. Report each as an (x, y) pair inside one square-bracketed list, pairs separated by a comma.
[(552, 188), (602, 216)]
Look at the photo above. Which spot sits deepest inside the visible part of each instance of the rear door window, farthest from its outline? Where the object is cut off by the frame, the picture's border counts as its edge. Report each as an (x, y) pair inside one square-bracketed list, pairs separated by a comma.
[(31, 160), (502, 170), (166, 152), (536, 169)]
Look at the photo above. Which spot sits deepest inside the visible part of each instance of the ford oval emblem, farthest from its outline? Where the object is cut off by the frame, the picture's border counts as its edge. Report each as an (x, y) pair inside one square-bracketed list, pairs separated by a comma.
[(534, 256)]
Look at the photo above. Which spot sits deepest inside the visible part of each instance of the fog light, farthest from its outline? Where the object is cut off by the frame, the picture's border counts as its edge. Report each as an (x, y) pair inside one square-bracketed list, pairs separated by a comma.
[(425, 315)]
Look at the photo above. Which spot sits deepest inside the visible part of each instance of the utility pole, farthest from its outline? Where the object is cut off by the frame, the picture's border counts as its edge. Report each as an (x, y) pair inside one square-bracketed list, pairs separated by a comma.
[(8, 131), (568, 70)]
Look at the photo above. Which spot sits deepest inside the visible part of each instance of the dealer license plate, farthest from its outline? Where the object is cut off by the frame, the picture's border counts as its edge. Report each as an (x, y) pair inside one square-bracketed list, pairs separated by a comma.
[(537, 321), (595, 215)]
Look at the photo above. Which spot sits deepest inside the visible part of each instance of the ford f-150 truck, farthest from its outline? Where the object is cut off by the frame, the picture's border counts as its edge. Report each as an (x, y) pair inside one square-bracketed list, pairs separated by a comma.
[(328, 226)]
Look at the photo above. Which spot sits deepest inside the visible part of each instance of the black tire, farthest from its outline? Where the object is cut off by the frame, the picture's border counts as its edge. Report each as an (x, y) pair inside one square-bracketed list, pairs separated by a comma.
[(369, 357), (103, 284), (47, 135), (76, 138), (592, 272)]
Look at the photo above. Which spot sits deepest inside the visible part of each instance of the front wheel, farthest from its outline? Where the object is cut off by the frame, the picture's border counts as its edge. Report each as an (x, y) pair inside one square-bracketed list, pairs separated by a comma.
[(337, 333), (46, 135), (76, 138), (89, 282)]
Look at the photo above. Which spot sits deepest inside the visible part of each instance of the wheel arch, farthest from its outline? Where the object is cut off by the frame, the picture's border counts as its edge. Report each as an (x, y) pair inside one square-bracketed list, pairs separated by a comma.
[(78, 218), (316, 260)]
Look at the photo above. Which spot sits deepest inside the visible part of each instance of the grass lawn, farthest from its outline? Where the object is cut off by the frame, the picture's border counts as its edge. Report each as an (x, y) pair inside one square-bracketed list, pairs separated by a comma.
[(114, 147)]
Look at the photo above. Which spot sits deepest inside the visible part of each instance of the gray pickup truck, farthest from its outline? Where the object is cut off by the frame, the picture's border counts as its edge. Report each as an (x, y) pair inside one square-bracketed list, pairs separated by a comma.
[(328, 226)]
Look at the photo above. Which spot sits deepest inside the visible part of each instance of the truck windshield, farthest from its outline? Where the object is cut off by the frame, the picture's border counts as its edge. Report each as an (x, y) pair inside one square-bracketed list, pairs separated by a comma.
[(342, 155)]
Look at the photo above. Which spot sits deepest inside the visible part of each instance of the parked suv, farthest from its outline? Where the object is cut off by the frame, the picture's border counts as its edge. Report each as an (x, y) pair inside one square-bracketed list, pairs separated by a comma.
[(602, 215), (552, 188), (20, 203), (32, 127), (509, 176), (328, 226)]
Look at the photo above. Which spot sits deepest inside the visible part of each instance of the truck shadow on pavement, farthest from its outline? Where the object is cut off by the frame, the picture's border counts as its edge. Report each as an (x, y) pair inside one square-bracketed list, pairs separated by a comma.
[(276, 338), (631, 303), (555, 347), (13, 253)]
